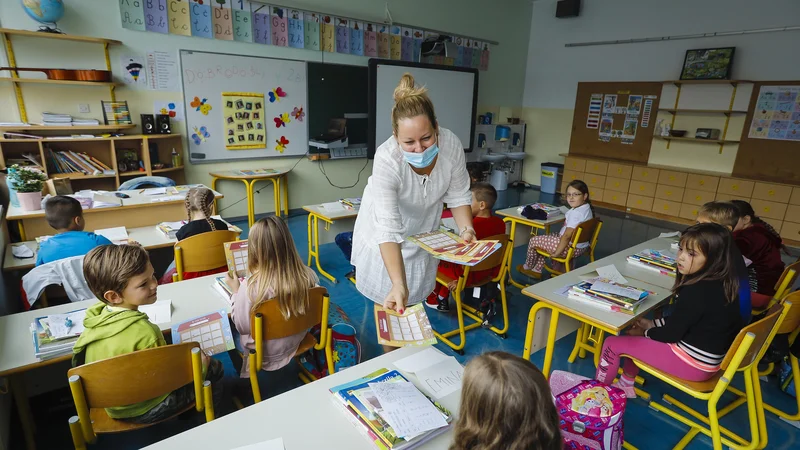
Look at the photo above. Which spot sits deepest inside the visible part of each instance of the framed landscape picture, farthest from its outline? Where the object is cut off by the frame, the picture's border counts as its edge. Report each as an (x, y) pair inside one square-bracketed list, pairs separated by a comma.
[(708, 64)]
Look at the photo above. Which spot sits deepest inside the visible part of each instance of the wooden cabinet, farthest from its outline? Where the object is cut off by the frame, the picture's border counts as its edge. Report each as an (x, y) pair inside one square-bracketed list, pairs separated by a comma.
[(795, 199), (643, 188), (702, 183), (777, 224), (570, 175), (620, 170), (792, 213), (729, 197), (736, 186), (596, 167), (697, 197), (640, 202), (672, 178), (689, 211), (596, 194), (642, 173), (771, 210), (615, 198), (595, 181), (575, 164), (617, 184), (666, 207), (790, 230), (772, 192), (671, 193)]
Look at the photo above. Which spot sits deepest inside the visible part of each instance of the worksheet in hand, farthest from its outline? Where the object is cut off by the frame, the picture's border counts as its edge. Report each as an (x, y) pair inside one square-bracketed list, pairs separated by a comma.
[(240, 107)]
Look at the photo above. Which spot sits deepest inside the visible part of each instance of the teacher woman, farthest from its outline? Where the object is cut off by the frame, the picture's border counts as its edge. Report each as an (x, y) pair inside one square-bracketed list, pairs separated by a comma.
[(418, 168)]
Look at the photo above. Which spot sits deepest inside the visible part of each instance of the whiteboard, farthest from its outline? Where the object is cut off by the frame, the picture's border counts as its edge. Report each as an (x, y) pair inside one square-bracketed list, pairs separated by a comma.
[(452, 90), (208, 75)]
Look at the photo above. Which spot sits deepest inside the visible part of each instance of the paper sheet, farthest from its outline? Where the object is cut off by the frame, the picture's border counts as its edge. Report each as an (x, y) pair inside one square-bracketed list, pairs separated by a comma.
[(420, 360), (332, 206), (21, 251), (611, 273), (406, 410), (117, 235), (628, 292), (168, 198), (58, 324), (155, 191), (442, 378), (669, 235), (272, 444), (159, 312)]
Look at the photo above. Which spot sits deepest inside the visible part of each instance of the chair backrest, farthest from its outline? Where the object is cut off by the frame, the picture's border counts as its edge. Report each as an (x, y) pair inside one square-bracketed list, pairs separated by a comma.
[(276, 327), (762, 330), (204, 251), (792, 320), (787, 279), (136, 377), (588, 231), (497, 258)]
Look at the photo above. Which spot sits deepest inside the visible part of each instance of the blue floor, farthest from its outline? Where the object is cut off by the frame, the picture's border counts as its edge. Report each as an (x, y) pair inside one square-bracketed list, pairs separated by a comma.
[(644, 427)]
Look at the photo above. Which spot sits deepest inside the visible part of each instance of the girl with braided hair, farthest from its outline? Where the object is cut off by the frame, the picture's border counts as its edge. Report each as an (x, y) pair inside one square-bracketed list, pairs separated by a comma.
[(198, 210)]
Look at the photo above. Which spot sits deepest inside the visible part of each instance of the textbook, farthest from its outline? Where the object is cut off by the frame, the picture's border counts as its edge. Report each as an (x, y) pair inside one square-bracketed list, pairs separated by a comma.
[(609, 296), (654, 260), (351, 203), (411, 328), (447, 246)]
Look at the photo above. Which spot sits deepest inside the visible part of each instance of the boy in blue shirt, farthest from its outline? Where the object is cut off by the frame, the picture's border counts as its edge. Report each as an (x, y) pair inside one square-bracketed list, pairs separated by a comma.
[(65, 215)]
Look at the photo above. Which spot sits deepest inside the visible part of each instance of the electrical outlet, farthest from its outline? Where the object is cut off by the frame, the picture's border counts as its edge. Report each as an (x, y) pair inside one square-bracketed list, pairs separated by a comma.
[(83, 107)]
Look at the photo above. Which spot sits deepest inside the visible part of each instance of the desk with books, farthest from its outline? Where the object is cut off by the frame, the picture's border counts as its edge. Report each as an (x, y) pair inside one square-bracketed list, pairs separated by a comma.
[(138, 210), (329, 215), (190, 299), (608, 321), (514, 217), (308, 417)]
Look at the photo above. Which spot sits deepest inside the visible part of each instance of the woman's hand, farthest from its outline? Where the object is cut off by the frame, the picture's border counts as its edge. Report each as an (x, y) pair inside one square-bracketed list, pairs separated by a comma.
[(468, 235), (232, 282), (396, 299)]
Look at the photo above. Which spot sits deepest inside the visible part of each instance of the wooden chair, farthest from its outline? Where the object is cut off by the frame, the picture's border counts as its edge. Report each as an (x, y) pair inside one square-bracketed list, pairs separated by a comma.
[(133, 378), (783, 285), (748, 347), (495, 260), (587, 232), (202, 252), (267, 323)]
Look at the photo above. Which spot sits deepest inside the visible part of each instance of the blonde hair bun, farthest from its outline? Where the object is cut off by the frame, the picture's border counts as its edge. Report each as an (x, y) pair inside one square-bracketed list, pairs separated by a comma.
[(406, 88)]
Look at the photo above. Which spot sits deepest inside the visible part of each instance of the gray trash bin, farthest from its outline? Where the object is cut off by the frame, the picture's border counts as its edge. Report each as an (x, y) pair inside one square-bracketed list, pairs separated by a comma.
[(551, 177)]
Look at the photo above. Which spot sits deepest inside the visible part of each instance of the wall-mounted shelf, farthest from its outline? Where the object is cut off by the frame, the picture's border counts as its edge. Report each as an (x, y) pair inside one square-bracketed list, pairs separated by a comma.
[(701, 111), (731, 82), (45, 128), (61, 82), (699, 140), (63, 37), (167, 169)]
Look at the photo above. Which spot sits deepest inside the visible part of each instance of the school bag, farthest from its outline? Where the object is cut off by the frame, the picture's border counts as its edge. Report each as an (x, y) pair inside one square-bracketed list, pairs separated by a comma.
[(590, 413), (346, 348)]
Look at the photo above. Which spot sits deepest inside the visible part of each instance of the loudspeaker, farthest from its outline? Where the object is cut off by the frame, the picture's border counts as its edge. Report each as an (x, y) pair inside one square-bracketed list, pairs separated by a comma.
[(148, 124), (162, 124), (568, 8)]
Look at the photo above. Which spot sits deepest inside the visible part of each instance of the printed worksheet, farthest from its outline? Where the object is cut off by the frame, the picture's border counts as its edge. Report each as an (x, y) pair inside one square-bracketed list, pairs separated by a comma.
[(211, 331)]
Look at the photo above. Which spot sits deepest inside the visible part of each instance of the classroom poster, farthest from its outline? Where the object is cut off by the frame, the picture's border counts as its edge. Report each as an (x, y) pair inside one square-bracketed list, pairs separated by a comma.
[(328, 34), (243, 113), (311, 31), (417, 35), (406, 44), (342, 35), (200, 15), (297, 34), (132, 15), (222, 21), (459, 41), (646, 112), (485, 57), (629, 129), (466, 57), (609, 103), (371, 40), (279, 27), (134, 71), (476, 54), (155, 16), (606, 126), (595, 107), (356, 38), (242, 21), (261, 24), (634, 105), (383, 42), (178, 19), (395, 42), (777, 114)]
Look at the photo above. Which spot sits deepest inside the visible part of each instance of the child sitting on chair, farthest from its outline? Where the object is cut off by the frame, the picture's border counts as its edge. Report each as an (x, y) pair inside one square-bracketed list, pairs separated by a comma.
[(65, 215), (484, 196), (581, 210), (276, 274), (121, 277), (760, 243), (505, 404)]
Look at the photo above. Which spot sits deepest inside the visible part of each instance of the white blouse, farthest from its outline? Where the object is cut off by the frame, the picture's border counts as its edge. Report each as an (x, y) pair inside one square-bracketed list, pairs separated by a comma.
[(397, 203), (575, 217)]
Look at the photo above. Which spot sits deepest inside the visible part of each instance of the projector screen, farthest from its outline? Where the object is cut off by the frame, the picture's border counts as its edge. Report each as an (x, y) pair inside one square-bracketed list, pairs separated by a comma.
[(453, 90)]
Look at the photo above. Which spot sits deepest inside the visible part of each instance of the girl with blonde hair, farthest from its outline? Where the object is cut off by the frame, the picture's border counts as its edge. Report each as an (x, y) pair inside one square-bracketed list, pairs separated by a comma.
[(277, 274)]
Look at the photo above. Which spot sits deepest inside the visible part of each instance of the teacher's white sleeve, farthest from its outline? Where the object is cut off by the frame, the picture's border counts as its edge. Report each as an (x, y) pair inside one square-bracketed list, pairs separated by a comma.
[(458, 193), (386, 183)]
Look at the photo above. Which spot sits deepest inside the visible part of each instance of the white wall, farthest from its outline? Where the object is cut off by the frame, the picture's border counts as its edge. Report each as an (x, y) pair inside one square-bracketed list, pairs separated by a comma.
[(553, 71)]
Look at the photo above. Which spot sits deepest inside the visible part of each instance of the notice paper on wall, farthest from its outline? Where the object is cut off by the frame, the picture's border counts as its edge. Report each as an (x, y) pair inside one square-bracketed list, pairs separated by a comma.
[(648, 109), (595, 107), (162, 71), (777, 114)]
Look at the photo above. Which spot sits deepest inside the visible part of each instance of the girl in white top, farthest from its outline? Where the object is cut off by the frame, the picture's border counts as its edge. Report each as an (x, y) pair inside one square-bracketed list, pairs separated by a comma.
[(417, 169), (556, 244)]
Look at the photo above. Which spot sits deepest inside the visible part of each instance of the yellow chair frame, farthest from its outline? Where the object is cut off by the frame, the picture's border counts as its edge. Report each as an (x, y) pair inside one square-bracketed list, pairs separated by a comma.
[(147, 373), (202, 252), (749, 346), (495, 260), (588, 231), (782, 286), (267, 323)]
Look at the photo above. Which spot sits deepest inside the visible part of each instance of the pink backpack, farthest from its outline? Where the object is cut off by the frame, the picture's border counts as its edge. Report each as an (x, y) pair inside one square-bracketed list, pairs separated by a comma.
[(590, 412)]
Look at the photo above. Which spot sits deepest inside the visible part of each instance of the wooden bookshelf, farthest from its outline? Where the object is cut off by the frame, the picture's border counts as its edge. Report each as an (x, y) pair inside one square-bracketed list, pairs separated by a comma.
[(701, 111), (91, 129), (699, 140), (167, 169), (62, 37)]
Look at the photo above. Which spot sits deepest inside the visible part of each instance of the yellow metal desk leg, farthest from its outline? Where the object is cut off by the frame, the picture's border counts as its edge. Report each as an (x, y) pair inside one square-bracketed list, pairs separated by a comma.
[(511, 280), (551, 343), (251, 202), (214, 188), (276, 194), (316, 251), (528, 344), (285, 184), (22, 236), (24, 410), (310, 238)]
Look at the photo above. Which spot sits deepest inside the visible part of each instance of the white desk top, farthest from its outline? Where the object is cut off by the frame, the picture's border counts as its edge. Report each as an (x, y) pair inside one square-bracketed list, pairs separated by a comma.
[(336, 214), (137, 198), (513, 213), (306, 417), (190, 298), (637, 277)]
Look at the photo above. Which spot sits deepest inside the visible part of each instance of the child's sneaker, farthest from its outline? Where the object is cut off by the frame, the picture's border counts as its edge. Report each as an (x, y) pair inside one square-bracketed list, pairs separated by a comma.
[(488, 315), (443, 304)]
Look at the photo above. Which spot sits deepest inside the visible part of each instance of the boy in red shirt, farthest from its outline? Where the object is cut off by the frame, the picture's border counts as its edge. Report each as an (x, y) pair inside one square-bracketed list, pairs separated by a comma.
[(484, 195)]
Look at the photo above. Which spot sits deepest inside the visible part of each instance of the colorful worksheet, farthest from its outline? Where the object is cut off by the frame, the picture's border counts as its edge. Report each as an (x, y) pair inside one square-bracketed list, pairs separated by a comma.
[(399, 330), (212, 331)]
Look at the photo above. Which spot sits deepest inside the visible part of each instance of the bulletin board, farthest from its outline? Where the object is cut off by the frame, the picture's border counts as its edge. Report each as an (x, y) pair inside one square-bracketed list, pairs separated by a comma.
[(243, 107), (615, 120), (770, 145)]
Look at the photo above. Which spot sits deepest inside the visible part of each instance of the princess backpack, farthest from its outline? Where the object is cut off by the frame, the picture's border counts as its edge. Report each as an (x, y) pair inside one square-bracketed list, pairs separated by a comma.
[(590, 412)]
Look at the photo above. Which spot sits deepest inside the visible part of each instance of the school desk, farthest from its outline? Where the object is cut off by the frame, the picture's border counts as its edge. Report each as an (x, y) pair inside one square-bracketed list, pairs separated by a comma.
[(513, 216), (137, 211), (610, 322), (306, 417), (315, 214), (190, 298), (276, 177)]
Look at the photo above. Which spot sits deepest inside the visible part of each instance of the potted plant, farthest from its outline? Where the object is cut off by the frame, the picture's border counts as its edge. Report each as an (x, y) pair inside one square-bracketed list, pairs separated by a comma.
[(28, 182)]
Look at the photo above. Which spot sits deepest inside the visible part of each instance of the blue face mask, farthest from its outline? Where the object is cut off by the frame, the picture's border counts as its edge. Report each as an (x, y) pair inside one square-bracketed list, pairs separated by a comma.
[(424, 159)]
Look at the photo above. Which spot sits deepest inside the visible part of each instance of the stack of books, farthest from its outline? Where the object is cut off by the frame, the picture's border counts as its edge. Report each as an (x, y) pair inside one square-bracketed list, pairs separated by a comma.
[(77, 122), (351, 203), (56, 120), (366, 413), (221, 287), (73, 162), (608, 296), (657, 261), (53, 336)]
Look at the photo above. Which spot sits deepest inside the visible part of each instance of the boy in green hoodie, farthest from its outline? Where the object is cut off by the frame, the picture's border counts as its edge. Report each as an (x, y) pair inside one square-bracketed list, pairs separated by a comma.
[(122, 278)]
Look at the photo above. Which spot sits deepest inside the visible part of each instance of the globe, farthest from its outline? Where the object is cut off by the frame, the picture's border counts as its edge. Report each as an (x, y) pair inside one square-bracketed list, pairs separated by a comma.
[(44, 11)]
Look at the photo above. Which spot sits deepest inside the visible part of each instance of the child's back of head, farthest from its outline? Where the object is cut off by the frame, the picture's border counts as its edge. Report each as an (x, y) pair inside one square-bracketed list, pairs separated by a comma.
[(506, 404), (64, 213), (722, 213), (198, 204), (276, 268)]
